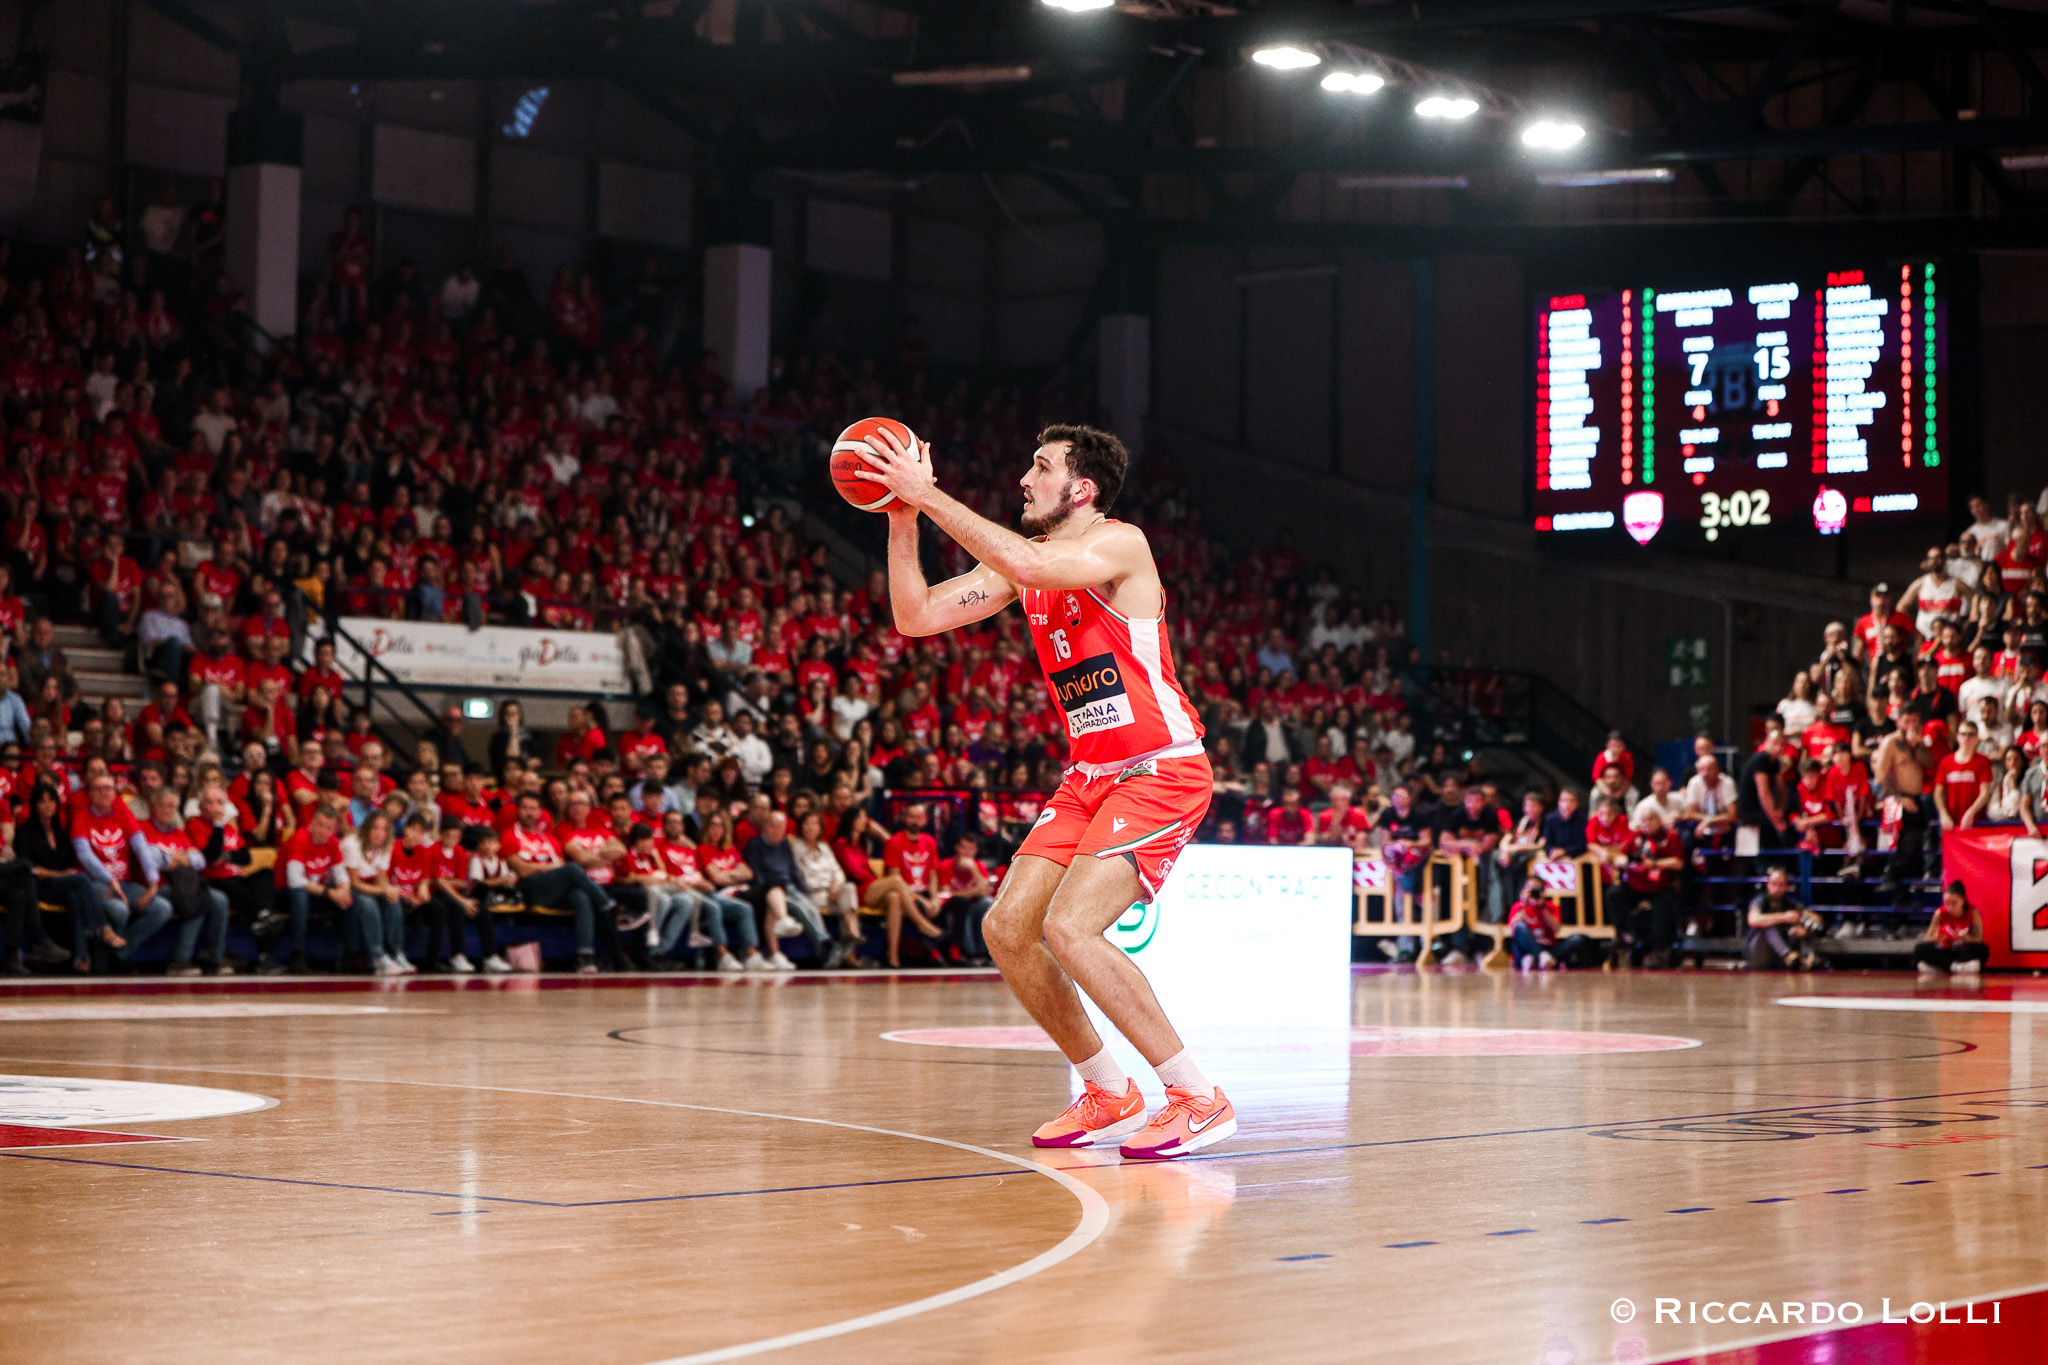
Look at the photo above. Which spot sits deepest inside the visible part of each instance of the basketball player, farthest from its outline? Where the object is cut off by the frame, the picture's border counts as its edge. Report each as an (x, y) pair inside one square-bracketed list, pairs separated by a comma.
[(1137, 788)]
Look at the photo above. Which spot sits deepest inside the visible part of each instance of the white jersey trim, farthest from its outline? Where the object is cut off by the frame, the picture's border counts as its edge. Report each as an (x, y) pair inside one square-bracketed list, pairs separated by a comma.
[(1187, 749), (1147, 649)]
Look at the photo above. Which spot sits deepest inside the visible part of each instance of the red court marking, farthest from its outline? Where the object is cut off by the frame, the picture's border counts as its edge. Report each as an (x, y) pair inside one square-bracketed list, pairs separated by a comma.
[(18, 1135), (1366, 1041), (2015, 1339)]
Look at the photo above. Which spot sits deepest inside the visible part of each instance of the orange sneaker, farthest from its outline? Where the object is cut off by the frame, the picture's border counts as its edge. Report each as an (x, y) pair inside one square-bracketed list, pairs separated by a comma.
[(1187, 1122), (1095, 1116)]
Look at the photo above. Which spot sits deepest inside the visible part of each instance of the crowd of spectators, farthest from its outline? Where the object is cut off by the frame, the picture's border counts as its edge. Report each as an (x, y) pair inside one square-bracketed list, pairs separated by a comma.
[(215, 503), (790, 766)]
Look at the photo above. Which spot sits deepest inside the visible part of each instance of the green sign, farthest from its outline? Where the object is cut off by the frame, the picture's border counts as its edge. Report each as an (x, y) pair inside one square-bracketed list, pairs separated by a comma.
[(1135, 927), (1685, 661)]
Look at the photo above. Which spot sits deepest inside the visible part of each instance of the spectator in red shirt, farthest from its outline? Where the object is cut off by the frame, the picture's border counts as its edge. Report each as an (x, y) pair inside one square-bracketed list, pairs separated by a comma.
[(117, 592), (1962, 781), (547, 879), (114, 854), (638, 744), (1288, 824), (1615, 755), (1533, 928), (309, 868), (1649, 891), (323, 673), (1342, 823), (1814, 812), (969, 891), (912, 856), (172, 853)]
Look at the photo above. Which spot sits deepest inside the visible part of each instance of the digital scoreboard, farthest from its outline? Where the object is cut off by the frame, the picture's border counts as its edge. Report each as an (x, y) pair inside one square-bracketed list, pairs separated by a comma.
[(1805, 403)]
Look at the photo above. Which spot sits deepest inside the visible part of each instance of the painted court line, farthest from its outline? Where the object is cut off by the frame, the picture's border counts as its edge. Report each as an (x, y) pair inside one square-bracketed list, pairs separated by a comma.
[(1094, 1208), (1909, 1005)]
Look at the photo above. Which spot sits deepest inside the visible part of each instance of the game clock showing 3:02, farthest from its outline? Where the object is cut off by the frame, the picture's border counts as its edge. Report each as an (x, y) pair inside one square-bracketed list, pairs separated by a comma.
[(1808, 403)]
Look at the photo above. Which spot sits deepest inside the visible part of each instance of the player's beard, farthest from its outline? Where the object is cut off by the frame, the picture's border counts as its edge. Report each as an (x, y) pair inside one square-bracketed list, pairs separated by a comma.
[(1053, 520)]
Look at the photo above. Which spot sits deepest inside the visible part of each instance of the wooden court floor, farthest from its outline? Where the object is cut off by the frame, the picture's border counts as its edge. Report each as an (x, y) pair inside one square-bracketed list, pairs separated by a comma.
[(685, 1169)]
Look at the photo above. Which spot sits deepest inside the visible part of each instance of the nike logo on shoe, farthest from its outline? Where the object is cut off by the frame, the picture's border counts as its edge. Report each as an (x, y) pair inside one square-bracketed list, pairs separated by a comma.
[(1196, 1127)]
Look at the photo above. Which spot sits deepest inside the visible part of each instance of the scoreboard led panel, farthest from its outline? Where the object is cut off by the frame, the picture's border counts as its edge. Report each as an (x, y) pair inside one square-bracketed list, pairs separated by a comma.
[(1813, 404)]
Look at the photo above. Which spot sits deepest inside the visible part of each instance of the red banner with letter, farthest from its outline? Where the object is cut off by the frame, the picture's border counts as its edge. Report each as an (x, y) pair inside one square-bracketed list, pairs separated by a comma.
[(2006, 874)]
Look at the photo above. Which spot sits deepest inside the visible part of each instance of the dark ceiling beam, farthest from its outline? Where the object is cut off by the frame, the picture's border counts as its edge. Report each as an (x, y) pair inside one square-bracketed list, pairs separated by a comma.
[(1402, 152), (199, 26)]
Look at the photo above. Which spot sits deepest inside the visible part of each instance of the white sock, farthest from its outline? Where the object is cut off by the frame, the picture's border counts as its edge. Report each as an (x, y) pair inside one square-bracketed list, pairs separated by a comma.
[(1180, 1070), (1102, 1070)]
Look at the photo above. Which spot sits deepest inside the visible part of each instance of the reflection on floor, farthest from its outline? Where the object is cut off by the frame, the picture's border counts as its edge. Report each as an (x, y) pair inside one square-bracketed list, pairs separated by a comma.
[(1454, 1167)]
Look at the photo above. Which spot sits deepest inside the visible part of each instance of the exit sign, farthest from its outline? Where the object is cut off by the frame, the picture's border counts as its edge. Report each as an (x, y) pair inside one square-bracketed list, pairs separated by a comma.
[(1685, 661)]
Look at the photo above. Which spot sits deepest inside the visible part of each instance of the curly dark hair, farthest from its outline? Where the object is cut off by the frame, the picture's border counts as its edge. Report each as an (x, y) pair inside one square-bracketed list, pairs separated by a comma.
[(1095, 455)]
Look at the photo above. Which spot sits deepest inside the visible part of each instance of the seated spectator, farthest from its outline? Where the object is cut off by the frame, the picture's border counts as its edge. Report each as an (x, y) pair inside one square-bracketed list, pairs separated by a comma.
[(1814, 812), (1781, 930), (1533, 929), (1564, 829), (1796, 709), (968, 889), (725, 867), (1954, 941), (887, 891), (2007, 802), (1608, 835), (786, 909), (164, 638), (114, 854), (380, 903), (1647, 898), (1663, 799), (828, 887), (175, 865)]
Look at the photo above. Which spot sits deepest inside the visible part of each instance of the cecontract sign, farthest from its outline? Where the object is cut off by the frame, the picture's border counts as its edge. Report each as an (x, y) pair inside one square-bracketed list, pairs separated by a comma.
[(1249, 951), (431, 654)]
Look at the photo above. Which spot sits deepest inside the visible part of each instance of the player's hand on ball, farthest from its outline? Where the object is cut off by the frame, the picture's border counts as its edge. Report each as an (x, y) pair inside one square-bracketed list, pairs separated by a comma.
[(896, 467)]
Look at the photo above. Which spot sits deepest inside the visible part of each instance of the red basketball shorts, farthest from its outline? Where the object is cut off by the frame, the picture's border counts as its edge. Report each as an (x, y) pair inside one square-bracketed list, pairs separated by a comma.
[(1146, 812)]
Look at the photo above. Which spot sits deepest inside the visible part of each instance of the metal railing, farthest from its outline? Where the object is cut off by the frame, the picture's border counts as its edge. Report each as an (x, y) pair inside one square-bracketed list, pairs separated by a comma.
[(1476, 708)]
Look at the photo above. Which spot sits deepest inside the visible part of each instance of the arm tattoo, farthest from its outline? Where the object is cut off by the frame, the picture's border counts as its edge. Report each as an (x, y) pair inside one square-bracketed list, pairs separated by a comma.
[(973, 597)]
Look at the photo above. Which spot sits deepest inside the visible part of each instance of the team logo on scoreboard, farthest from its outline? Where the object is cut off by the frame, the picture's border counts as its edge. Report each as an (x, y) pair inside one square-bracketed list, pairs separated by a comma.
[(2030, 895), (1830, 511), (1643, 514)]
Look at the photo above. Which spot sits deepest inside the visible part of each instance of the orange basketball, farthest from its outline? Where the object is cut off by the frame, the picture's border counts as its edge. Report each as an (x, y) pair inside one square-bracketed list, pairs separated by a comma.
[(865, 434)]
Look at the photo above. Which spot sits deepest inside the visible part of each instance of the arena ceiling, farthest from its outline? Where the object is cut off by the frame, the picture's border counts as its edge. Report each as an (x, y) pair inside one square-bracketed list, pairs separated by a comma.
[(1110, 103)]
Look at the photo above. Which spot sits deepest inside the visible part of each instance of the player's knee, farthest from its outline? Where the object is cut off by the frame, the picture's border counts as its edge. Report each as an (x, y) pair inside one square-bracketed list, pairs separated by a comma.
[(1066, 931), (1006, 930)]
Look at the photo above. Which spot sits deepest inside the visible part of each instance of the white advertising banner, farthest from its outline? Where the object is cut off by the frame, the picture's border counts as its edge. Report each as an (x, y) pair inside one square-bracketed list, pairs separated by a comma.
[(1249, 951), (431, 654)]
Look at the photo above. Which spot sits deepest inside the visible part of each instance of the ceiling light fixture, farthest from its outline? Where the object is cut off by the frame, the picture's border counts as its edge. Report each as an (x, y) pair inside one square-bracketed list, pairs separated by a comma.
[(1446, 107), (1553, 135), (1626, 175), (1286, 58), (1078, 6), (1354, 82)]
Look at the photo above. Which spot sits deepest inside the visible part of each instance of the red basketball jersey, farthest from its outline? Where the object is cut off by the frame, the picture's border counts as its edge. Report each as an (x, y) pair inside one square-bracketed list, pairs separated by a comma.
[(1112, 676)]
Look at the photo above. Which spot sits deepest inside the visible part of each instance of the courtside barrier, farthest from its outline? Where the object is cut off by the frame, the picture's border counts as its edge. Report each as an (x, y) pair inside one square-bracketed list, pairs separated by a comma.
[(1385, 912)]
